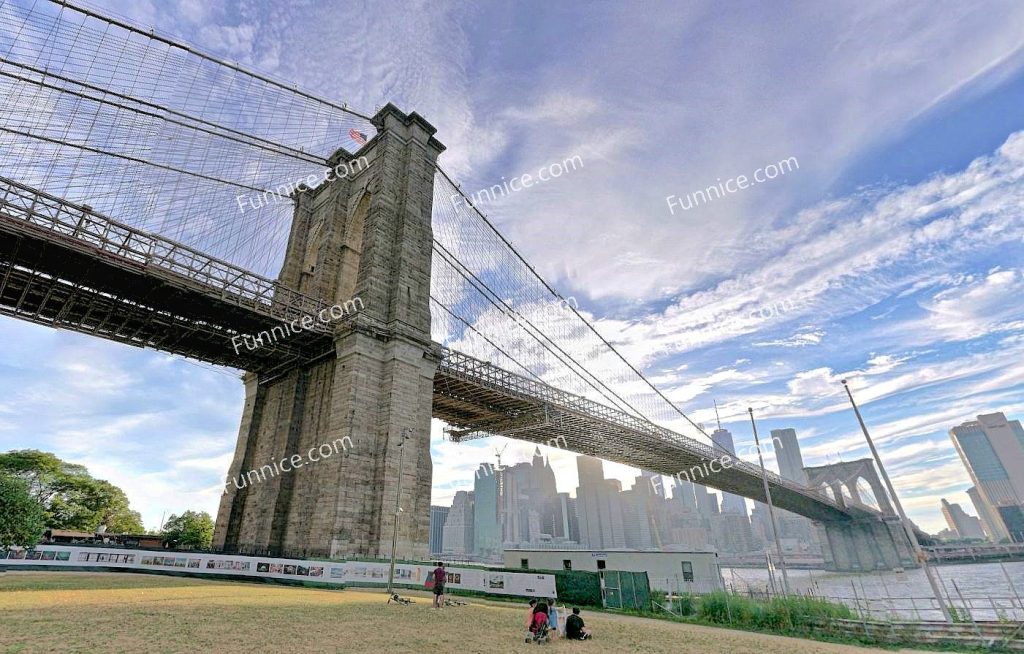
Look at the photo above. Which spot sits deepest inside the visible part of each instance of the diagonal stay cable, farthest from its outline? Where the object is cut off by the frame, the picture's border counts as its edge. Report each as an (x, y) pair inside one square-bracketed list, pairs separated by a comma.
[(507, 309), (152, 34), (573, 309), (126, 157), (242, 137), (497, 347)]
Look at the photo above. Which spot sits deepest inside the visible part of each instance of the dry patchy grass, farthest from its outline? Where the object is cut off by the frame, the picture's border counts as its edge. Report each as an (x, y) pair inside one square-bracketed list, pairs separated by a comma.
[(109, 613)]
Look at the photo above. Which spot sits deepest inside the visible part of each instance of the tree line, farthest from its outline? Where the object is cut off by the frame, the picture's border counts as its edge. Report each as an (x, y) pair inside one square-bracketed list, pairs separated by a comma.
[(39, 491)]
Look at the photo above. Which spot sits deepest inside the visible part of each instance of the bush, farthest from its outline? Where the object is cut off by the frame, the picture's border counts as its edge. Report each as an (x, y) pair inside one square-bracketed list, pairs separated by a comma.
[(579, 588), (783, 614)]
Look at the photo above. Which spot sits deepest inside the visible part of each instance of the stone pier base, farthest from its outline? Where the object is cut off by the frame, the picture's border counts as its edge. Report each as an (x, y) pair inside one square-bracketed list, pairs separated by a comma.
[(867, 544)]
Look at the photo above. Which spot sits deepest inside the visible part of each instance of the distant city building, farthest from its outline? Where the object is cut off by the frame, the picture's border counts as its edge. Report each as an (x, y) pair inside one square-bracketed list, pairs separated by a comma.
[(679, 525), (964, 525), (563, 524), (530, 502), (458, 526), (438, 514), (684, 494), (598, 506), (722, 438), (992, 450), (787, 453), (796, 533), (639, 505), (732, 533), (989, 519), (707, 503), (487, 527)]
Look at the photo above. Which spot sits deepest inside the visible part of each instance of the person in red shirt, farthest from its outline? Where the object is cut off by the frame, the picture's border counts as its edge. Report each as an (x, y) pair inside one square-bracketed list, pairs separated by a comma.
[(439, 579)]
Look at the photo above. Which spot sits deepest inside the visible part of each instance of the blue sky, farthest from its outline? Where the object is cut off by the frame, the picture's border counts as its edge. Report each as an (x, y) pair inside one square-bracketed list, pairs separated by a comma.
[(895, 249)]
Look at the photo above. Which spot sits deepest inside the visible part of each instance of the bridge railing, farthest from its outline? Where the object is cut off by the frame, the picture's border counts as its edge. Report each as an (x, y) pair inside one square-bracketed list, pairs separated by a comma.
[(471, 368), (80, 224)]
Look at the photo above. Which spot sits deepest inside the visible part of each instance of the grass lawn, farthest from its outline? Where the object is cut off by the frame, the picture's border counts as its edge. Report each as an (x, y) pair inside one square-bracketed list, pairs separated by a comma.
[(110, 613)]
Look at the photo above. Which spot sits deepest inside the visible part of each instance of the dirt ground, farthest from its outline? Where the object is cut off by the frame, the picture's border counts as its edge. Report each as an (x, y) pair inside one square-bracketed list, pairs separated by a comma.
[(100, 612)]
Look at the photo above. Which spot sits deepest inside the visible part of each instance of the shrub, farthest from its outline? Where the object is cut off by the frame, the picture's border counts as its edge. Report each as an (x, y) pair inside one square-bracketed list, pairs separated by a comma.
[(578, 587), (777, 614)]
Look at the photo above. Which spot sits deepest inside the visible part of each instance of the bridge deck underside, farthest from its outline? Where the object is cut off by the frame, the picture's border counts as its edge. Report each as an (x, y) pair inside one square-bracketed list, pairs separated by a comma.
[(475, 403), (62, 284)]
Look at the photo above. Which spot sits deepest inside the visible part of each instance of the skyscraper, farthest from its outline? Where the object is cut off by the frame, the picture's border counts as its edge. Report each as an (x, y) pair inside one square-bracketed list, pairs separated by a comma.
[(965, 526), (707, 503), (598, 506), (988, 518), (458, 526), (992, 450), (438, 514), (787, 453), (722, 438), (639, 510), (684, 493), (487, 538)]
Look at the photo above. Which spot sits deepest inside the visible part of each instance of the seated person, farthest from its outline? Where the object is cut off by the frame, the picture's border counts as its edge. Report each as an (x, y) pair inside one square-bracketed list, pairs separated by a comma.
[(574, 629)]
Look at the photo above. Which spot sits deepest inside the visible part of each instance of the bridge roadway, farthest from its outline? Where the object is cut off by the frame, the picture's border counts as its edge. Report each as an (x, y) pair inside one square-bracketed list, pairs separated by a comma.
[(66, 266)]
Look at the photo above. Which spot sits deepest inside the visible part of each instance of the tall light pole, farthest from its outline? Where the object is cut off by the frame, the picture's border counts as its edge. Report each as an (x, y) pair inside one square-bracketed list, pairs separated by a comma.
[(907, 526), (398, 509), (771, 507)]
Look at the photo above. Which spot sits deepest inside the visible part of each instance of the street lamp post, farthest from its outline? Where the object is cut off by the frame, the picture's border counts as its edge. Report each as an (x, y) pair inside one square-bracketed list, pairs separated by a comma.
[(907, 527), (398, 509), (771, 507)]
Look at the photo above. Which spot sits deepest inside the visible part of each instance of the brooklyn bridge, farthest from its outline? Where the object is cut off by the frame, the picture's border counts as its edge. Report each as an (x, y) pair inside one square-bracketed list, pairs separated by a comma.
[(122, 155)]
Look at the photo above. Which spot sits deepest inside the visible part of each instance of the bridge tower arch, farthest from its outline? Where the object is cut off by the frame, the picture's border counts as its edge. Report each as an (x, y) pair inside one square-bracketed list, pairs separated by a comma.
[(362, 243), (875, 538)]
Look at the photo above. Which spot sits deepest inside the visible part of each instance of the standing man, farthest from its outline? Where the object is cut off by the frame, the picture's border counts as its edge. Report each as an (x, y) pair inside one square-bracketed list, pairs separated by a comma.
[(439, 579)]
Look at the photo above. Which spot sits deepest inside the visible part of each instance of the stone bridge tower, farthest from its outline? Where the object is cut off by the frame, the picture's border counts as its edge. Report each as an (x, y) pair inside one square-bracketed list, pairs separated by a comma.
[(875, 539), (364, 235)]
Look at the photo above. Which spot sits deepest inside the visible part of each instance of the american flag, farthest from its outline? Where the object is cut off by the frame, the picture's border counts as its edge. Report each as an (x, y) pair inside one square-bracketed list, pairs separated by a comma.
[(358, 137)]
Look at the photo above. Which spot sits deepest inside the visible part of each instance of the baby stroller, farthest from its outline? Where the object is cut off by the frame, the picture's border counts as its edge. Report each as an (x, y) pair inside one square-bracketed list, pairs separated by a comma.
[(539, 628)]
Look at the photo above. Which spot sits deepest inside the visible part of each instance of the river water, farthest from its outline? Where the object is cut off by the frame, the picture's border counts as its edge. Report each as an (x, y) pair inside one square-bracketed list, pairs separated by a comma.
[(990, 591)]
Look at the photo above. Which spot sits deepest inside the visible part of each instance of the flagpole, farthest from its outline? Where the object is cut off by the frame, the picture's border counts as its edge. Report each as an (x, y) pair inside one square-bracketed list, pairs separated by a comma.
[(907, 526)]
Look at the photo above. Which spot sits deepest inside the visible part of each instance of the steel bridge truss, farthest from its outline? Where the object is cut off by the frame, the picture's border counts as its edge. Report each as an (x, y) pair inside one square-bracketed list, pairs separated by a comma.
[(480, 399), (64, 265)]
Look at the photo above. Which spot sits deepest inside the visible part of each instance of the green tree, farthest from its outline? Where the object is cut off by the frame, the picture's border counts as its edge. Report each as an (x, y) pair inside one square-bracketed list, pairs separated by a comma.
[(190, 530), (70, 496), (117, 514), (22, 518)]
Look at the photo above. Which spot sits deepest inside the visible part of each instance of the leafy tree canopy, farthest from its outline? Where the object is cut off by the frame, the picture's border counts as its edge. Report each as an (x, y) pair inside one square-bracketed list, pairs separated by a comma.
[(71, 498), (190, 530), (22, 518)]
